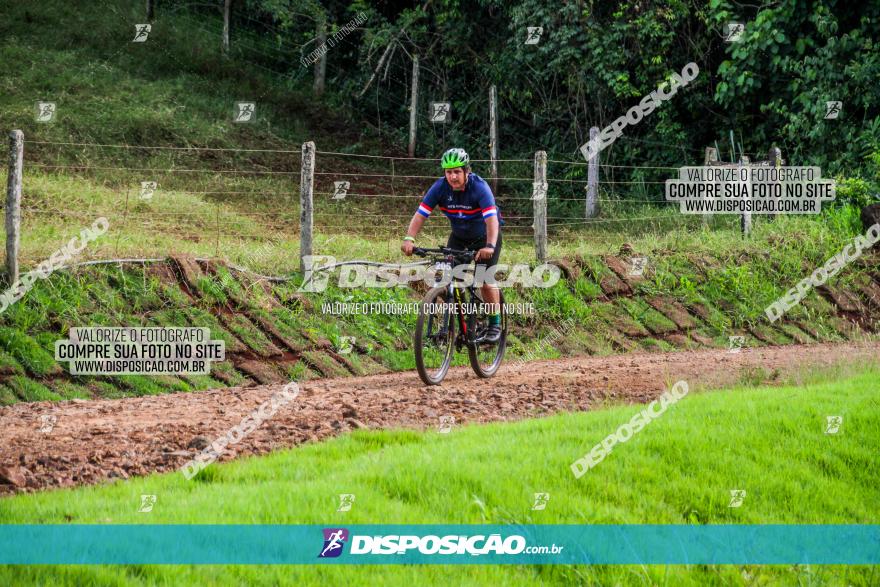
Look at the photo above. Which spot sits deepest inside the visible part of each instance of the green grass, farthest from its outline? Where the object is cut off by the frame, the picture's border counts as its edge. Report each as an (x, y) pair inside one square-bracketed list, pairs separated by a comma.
[(245, 330), (7, 396), (69, 390), (27, 351), (641, 312), (8, 364), (31, 391), (175, 90), (678, 470)]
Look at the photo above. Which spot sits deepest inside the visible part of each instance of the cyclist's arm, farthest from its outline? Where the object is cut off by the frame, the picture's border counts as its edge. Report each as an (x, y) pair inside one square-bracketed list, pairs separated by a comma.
[(409, 241), (432, 196), (415, 225), (490, 215), (492, 230)]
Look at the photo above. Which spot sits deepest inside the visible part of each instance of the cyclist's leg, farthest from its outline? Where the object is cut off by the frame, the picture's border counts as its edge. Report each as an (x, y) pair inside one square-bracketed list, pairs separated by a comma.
[(489, 289), (490, 293), (454, 242)]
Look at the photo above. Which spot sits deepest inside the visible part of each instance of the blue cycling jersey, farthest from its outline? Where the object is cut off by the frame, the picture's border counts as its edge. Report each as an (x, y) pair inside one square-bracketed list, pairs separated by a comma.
[(467, 210)]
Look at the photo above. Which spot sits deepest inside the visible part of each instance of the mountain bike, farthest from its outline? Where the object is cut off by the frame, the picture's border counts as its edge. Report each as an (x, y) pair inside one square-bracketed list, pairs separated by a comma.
[(453, 316)]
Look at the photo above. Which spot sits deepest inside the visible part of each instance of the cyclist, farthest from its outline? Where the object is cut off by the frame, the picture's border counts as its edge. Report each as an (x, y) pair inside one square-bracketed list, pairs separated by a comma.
[(467, 201)]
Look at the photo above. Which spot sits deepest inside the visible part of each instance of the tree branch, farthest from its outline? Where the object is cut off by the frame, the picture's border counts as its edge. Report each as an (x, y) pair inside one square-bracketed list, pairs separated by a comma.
[(385, 54)]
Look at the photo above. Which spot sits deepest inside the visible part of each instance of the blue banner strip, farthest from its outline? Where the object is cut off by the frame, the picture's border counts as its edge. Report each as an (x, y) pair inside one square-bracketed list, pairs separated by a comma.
[(440, 544)]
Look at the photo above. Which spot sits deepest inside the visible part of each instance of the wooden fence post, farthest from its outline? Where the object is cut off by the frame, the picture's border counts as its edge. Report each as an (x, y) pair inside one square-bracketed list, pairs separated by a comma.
[(592, 204), (774, 158), (13, 203), (746, 220), (413, 107), (306, 187), (539, 205), (493, 137), (711, 156)]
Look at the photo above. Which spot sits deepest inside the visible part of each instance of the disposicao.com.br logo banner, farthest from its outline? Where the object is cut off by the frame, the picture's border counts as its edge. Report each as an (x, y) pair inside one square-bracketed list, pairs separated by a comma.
[(430, 544), (439, 544)]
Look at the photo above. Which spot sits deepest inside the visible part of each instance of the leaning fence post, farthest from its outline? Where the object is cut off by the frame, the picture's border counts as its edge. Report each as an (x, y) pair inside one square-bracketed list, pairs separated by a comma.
[(711, 156), (539, 205), (592, 207), (306, 186), (13, 203)]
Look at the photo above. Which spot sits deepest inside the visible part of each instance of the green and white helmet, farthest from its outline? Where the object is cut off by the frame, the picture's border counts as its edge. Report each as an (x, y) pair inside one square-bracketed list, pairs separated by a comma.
[(455, 157)]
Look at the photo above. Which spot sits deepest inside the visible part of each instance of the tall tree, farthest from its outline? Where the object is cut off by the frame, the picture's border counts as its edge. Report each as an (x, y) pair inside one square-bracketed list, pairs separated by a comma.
[(227, 4)]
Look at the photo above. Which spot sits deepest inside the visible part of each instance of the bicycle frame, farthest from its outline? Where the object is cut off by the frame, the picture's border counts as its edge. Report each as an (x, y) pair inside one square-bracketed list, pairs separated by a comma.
[(435, 328), (456, 294)]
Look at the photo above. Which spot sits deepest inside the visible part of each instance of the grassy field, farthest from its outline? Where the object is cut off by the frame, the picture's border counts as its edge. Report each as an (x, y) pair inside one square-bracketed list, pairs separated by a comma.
[(678, 470)]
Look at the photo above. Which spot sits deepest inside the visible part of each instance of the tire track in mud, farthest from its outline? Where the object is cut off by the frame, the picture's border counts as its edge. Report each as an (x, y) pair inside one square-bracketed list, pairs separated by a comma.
[(97, 440)]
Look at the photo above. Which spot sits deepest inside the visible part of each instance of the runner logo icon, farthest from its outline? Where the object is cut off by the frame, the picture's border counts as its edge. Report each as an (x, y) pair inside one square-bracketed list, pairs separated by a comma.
[(334, 540)]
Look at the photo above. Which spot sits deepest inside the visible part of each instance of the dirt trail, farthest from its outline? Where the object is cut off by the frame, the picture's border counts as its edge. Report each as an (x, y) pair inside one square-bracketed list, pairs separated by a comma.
[(92, 441)]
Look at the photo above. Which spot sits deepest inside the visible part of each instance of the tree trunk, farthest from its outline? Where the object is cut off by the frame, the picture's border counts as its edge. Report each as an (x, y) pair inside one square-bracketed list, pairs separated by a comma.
[(413, 107), (493, 137), (226, 6), (321, 63)]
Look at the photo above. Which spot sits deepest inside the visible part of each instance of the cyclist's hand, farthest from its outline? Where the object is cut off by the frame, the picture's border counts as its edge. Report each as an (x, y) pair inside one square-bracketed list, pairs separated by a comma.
[(484, 253), (407, 248)]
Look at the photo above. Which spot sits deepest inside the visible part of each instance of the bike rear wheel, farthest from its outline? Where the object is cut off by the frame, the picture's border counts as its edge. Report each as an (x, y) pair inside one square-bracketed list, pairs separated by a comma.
[(435, 336), (486, 357)]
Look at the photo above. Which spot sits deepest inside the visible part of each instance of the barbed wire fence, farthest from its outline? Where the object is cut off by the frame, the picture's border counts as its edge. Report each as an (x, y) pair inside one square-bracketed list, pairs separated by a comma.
[(535, 204), (305, 193)]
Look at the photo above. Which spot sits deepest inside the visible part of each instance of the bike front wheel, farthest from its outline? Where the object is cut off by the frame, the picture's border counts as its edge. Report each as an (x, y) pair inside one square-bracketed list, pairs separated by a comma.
[(486, 357), (435, 336)]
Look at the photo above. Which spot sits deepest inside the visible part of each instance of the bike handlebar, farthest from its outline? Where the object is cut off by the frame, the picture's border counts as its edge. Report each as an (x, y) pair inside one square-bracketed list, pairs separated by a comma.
[(446, 251)]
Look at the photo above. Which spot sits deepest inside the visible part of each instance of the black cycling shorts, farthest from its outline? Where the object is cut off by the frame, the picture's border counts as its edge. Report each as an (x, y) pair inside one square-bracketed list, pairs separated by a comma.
[(459, 243)]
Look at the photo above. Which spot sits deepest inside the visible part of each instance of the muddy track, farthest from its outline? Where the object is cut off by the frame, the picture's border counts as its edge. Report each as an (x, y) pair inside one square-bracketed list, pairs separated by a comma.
[(94, 441)]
